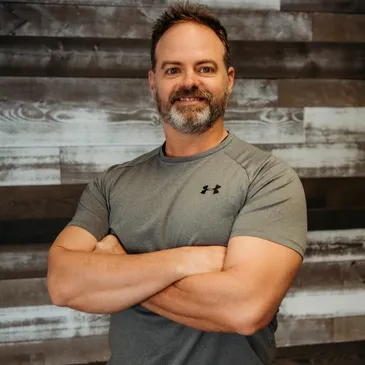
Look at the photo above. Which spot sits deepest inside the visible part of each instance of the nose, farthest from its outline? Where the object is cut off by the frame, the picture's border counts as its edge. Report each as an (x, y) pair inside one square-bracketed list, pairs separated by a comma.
[(190, 79)]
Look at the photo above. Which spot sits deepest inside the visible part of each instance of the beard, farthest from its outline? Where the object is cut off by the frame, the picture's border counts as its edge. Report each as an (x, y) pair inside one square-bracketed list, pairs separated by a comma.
[(192, 119)]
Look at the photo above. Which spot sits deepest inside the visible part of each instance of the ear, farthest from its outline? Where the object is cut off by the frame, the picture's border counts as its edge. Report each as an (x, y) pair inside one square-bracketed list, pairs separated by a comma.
[(151, 82), (230, 73)]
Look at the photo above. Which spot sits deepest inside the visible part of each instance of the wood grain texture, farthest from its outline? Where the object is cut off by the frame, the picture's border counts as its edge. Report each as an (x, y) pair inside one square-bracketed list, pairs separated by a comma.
[(234, 4), (328, 6), (137, 125), (137, 22), (321, 93), (118, 93), (87, 57), (331, 125), (20, 261), (37, 202), (19, 166), (338, 249), (338, 27)]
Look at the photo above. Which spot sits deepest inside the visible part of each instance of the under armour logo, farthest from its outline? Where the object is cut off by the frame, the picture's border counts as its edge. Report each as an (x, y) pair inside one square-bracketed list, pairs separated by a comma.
[(215, 190)]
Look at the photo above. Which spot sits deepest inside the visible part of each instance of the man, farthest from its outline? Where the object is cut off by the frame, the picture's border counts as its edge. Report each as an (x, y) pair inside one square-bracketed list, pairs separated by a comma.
[(213, 229)]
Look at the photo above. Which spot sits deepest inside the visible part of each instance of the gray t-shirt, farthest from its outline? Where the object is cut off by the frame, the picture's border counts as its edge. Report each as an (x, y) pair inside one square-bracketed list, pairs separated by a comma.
[(156, 202)]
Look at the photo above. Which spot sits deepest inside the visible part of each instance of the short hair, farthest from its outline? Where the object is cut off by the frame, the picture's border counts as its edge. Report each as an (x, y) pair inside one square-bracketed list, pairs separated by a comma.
[(186, 12)]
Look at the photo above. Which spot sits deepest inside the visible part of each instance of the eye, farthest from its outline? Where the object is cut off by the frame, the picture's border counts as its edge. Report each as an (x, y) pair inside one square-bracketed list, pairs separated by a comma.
[(172, 71), (206, 69)]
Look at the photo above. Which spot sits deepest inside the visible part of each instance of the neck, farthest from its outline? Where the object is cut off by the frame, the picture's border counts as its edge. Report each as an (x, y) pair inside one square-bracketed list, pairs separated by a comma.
[(182, 145)]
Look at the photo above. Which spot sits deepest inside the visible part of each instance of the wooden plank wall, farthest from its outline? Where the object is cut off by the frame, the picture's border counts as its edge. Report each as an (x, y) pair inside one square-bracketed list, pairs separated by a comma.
[(74, 100)]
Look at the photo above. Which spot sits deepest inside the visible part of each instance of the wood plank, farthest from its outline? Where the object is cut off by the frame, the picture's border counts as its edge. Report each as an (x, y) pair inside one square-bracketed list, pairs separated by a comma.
[(331, 125), (338, 27), (348, 353), (87, 57), (321, 93), (337, 248), (118, 93), (24, 166), (137, 22), (322, 160), (335, 245), (77, 350), (334, 193), (327, 6), (234, 4), (138, 125), (20, 261), (37, 202)]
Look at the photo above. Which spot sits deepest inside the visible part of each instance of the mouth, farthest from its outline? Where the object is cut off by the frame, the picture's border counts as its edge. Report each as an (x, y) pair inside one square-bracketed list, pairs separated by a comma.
[(189, 100)]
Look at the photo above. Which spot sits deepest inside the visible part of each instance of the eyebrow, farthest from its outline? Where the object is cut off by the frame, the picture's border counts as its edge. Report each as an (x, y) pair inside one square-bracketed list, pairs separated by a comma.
[(177, 63)]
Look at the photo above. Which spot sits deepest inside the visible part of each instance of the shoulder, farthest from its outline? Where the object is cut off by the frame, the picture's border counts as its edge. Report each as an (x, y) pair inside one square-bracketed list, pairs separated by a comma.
[(256, 162)]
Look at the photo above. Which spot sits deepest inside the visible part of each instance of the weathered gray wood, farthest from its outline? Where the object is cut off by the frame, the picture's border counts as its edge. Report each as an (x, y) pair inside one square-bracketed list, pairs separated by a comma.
[(352, 327), (73, 125), (77, 350), (328, 6), (321, 93), (136, 22), (65, 57), (117, 93), (323, 160), (338, 28), (234, 4), (331, 125), (19, 166), (23, 261)]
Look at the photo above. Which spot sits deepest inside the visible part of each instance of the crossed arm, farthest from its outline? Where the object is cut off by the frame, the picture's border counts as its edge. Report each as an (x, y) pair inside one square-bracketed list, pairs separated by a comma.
[(241, 298)]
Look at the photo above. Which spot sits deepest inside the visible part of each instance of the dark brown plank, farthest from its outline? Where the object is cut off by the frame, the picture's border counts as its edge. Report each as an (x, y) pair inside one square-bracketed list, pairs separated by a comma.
[(323, 219), (37, 202), (321, 93), (338, 28), (347, 353), (137, 22), (327, 6), (71, 57)]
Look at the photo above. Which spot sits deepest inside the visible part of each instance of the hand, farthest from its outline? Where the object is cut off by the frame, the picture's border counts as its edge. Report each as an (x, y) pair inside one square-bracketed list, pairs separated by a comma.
[(204, 259), (110, 245)]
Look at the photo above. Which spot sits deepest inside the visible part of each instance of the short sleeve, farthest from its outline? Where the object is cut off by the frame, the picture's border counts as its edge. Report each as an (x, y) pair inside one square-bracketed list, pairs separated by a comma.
[(92, 211), (275, 207)]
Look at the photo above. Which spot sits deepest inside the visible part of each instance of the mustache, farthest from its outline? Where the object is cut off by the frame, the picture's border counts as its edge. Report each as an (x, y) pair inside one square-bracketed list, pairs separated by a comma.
[(192, 92)]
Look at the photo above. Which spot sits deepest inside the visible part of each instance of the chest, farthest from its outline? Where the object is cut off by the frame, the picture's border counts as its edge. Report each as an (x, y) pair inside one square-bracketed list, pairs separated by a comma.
[(152, 210)]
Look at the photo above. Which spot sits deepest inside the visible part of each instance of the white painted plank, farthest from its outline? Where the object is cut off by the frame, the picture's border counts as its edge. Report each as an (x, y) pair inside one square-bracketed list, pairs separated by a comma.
[(324, 304), (330, 125), (24, 166), (35, 124), (323, 160), (39, 323)]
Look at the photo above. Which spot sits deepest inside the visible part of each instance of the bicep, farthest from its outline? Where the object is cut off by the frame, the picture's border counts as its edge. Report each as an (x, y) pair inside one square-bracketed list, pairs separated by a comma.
[(73, 238), (266, 269)]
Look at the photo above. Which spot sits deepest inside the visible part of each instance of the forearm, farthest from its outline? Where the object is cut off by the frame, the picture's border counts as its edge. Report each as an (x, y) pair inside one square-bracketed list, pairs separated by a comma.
[(102, 283), (206, 298)]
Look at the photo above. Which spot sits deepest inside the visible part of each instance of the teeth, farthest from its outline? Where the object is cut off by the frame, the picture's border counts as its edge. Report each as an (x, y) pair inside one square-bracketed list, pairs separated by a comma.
[(189, 99)]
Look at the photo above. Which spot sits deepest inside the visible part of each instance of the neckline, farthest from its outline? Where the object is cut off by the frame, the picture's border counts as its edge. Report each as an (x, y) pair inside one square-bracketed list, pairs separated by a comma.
[(198, 156)]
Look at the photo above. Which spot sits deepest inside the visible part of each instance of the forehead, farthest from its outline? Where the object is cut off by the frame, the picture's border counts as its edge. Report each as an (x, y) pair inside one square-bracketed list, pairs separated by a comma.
[(187, 42)]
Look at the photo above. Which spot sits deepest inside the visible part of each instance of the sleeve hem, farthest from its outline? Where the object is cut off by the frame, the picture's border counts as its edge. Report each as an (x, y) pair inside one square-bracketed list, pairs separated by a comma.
[(87, 227), (279, 240)]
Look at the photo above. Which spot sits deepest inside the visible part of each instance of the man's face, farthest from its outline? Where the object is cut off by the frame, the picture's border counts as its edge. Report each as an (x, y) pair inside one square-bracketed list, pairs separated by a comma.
[(191, 85)]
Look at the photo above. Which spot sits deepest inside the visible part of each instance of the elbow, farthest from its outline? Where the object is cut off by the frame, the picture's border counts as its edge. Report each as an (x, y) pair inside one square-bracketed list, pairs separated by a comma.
[(250, 322), (56, 291)]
